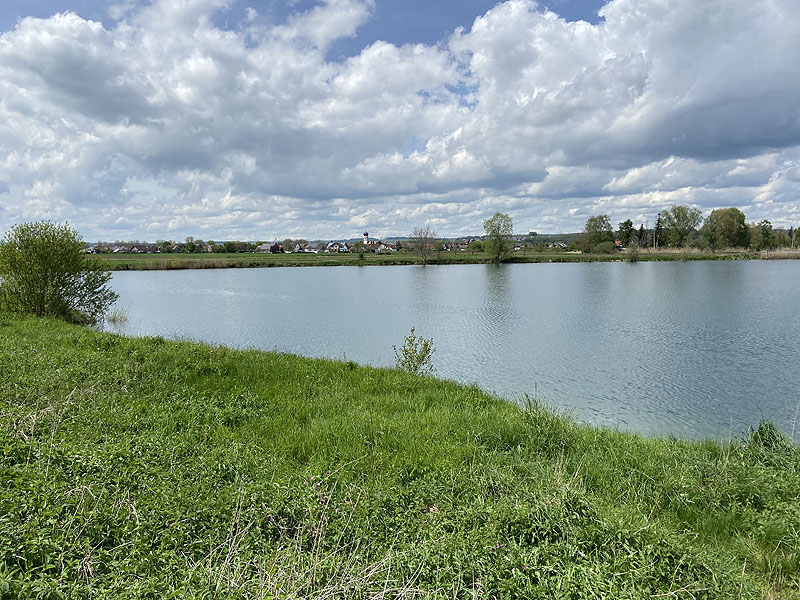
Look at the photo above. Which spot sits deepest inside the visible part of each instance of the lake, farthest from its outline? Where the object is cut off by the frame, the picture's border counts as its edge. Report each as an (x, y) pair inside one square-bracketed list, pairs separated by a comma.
[(691, 349)]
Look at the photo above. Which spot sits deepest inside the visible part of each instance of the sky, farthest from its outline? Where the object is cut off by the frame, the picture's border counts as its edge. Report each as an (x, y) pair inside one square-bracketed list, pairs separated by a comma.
[(320, 119)]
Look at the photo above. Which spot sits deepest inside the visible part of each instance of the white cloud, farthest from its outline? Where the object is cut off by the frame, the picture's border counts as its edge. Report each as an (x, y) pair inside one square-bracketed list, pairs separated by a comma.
[(168, 125)]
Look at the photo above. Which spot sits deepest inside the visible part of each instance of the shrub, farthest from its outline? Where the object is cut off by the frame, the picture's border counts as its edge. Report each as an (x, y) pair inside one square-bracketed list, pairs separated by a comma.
[(604, 248), (45, 271), (415, 355)]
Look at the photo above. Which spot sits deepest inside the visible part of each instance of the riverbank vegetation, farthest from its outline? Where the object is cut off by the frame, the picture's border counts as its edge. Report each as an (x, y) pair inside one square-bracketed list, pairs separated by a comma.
[(133, 262), (152, 468), (45, 271)]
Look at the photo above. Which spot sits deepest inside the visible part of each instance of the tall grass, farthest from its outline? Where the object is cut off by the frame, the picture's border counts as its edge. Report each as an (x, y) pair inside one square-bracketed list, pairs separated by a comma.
[(148, 468)]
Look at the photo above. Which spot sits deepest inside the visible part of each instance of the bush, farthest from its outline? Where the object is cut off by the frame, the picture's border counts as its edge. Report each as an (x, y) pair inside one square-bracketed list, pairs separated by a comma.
[(45, 271), (415, 355), (604, 248)]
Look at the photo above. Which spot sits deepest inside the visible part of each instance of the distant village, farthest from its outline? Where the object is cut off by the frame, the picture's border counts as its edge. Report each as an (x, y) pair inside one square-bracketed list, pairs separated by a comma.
[(366, 244)]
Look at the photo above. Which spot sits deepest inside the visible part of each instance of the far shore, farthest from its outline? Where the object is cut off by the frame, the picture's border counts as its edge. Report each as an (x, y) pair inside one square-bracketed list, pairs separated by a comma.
[(164, 262)]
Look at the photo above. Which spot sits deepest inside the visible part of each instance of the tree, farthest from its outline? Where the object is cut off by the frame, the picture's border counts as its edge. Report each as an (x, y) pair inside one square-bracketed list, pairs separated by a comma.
[(761, 236), (475, 246), (424, 240), (725, 228), (499, 230), (596, 231), (626, 232), (658, 232), (642, 236), (681, 221), (45, 271)]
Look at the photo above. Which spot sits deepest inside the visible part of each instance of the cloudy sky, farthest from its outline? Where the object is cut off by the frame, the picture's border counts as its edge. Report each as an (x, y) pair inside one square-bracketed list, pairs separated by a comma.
[(261, 119)]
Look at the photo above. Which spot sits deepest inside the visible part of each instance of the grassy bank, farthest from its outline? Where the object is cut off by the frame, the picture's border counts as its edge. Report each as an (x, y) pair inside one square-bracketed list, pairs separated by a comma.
[(148, 468), (128, 262)]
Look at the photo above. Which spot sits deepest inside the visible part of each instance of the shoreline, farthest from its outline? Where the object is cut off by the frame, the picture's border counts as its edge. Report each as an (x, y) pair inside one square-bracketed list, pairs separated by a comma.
[(168, 262)]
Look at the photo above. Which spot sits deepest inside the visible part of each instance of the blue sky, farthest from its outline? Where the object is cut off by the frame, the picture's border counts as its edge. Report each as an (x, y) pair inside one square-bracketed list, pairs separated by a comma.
[(395, 21), (320, 118)]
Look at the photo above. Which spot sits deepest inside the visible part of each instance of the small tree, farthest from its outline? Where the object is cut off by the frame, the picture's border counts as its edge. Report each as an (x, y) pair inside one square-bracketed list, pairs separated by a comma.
[(45, 271), (424, 240), (499, 230), (415, 355)]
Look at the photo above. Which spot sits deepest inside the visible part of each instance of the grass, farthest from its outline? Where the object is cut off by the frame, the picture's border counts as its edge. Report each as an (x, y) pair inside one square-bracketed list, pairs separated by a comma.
[(125, 262), (150, 468)]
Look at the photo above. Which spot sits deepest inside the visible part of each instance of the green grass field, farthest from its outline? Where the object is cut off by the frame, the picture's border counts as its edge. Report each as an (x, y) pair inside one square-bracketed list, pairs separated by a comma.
[(125, 262), (152, 468)]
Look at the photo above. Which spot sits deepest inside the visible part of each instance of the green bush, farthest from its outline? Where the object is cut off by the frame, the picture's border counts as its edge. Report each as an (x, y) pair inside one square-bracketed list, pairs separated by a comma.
[(604, 248), (415, 355), (45, 271)]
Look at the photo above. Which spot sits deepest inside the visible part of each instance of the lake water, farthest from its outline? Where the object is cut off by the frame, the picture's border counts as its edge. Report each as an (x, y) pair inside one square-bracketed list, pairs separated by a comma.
[(692, 349)]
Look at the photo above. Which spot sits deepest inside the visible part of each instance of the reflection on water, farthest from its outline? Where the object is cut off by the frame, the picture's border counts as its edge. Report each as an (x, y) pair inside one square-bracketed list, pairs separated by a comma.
[(688, 349)]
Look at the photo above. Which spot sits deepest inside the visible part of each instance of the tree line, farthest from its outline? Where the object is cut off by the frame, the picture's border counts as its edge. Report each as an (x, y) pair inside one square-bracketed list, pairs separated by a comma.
[(683, 226)]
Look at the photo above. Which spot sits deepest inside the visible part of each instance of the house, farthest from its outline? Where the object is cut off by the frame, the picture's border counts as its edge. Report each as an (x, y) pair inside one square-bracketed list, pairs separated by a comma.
[(337, 247), (263, 247)]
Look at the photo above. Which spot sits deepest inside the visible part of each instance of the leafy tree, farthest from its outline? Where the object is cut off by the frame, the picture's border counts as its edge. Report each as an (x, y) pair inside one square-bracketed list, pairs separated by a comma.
[(499, 230), (596, 231), (424, 240), (45, 271), (681, 221), (475, 246), (725, 228), (761, 237), (626, 232), (781, 239)]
